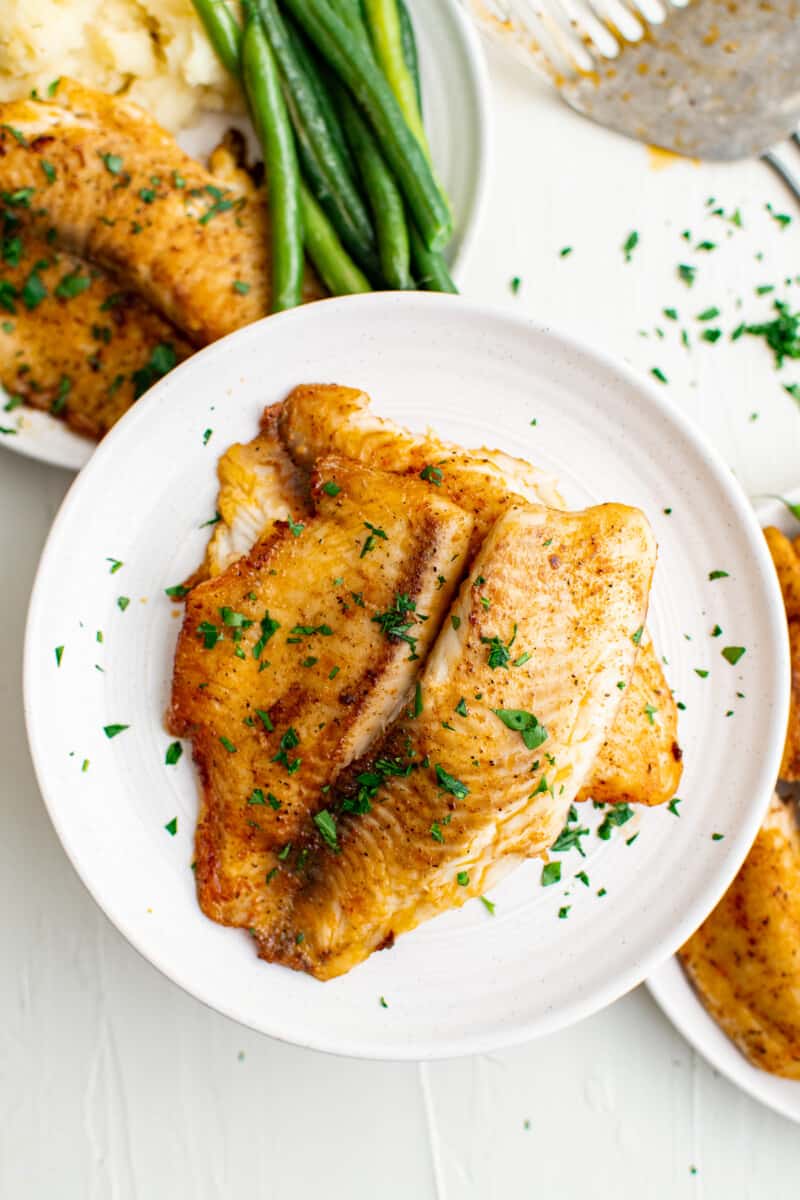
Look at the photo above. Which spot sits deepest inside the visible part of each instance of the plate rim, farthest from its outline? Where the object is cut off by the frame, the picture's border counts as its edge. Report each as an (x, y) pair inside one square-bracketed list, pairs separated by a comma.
[(745, 1076), (74, 450), (737, 846)]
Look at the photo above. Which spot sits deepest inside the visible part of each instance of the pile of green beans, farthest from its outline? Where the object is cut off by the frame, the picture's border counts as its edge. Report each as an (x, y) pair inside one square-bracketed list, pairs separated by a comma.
[(333, 89)]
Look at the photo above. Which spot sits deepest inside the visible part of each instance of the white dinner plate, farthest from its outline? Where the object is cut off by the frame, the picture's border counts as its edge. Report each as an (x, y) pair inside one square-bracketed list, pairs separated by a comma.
[(455, 86), (467, 981), (676, 996)]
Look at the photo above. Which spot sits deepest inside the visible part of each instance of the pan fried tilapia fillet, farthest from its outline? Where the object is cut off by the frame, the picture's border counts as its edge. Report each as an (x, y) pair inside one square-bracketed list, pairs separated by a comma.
[(118, 190), (72, 343), (294, 659), (515, 699), (640, 760), (744, 960)]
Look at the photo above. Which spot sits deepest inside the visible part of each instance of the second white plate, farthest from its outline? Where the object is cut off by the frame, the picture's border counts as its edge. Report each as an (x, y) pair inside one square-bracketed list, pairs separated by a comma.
[(676, 996), (455, 88), (467, 981)]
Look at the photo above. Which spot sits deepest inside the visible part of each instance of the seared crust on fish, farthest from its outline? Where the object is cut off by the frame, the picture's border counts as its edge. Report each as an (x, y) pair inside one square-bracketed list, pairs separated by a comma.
[(284, 672)]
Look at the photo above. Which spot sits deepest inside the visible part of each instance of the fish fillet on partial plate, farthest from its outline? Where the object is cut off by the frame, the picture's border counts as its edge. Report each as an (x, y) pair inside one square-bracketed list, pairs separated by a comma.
[(284, 671), (514, 702), (640, 760), (71, 342), (119, 191), (744, 960)]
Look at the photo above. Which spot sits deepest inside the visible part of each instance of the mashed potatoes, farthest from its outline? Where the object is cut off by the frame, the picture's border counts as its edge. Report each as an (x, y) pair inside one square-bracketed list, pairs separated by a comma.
[(155, 51)]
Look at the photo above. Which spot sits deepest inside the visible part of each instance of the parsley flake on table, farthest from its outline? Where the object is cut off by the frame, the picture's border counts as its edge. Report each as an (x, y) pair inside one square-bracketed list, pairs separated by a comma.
[(551, 873), (712, 575), (111, 731), (717, 837), (382, 1002), (207, 436), (673, 806), (563, 913), (658, 374), (488, 904), (629, 245), (732, 654), (782, 219), (515, 284), (59, 655), (172, 827), (701, 672), (617, 815), (584, 878), (687, 274), (716, 631), (782, 334), (173, 754), (123, 602)]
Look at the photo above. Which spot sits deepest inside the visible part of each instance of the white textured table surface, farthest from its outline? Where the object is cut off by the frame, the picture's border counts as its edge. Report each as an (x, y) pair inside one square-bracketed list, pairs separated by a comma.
[(113, 1084)]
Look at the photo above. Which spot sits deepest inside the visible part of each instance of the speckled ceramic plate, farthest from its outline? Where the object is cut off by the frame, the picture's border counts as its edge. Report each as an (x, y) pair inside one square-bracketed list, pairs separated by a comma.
[(467, 981), (676, 996), (456, 93)]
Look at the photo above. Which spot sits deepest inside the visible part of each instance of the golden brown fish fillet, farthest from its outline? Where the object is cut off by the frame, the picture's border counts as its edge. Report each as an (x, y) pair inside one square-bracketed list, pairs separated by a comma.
[(71, 342), (640, 759), (744, 960), (787, 566), (639, 762), (322, 419), (118, 190), (258, 484), (515, 700), (790, 764), (285, 669)]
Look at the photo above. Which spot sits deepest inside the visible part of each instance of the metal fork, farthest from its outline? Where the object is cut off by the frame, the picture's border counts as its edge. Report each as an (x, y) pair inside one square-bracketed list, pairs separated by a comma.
[(712, 79)]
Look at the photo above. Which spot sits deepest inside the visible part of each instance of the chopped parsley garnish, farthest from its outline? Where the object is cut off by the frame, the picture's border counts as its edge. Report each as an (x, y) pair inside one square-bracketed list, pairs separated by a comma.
[(330, 488), (732, 654), (687, 273), (288, 742), (268, 628), (295, 527), (397, 620), (717, 575), (782, 334), (551, 873), (177, 591), (207, 436), (60, 398), (172, 827), (162, 359), (650, 712), (418, 699), (617, 815), (716, 631), (449, 783), (174, 751), (285, 852), (111, 731), (783, 219), (707, 246), (112, 163), (72, 285), (630, 244), (637, 636), (570, 839), (123, 602), (436, 832), (369, 540), (265, 720), (717, 837), (48, 170), (584, 878), (382, 1002), (33, 291), (326, 824), (659, 374), (670, 313), (455, 621), (310, 630), (563, 913), (310, 661), (241, 287), (115, 565), (701, 672), (499, 655), (432, 475), (673, 806), (708, 314), (565, 251), (461, 708), (515, 285), (488, 904), (462, 878), (711, 335), (59, 655), (228, 744), (525, 723)]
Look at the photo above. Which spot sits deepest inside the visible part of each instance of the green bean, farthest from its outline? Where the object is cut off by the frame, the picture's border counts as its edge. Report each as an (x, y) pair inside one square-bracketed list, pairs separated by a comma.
[(273, 128), (386, 202), (335, 268), (223, 31), (409, 40), (358, 71), (383, 21), (430, 268), (324, 168), (321, 86)]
